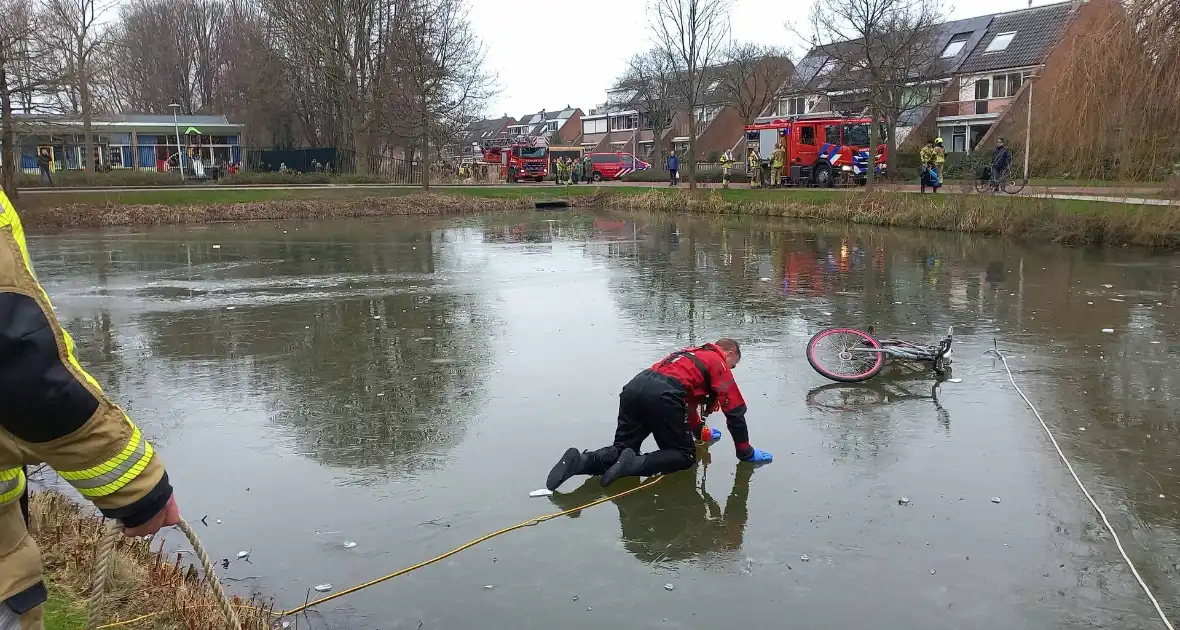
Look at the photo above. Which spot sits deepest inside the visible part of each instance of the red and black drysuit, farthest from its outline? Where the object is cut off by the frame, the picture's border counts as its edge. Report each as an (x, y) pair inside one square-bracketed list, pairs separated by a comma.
[(662, 401)]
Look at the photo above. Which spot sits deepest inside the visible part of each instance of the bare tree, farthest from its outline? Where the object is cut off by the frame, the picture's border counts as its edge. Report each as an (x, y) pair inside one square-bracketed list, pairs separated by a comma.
[(884, 48), (646, 86), (23, 77), (75, 32), (439, 69), (751, 76), (690, 35)]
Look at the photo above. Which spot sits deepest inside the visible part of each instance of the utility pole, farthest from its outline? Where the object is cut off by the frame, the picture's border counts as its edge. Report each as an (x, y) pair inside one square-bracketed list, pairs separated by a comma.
[(179, 151)]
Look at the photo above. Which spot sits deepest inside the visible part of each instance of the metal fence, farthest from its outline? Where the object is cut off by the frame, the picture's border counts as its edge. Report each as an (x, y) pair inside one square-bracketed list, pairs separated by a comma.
[(329, 163)]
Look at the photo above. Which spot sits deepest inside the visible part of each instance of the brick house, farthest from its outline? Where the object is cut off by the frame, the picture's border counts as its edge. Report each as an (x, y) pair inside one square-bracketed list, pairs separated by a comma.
[(622, 125), (980, 70), (477, 132), (559, 126)]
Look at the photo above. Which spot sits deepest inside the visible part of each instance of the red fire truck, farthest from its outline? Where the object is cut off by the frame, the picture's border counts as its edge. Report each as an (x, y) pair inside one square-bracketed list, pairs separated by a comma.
[(518, 158), (819, 151)]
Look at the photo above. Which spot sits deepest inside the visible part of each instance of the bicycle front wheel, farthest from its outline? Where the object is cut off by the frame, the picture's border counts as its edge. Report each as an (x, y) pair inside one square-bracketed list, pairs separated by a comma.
[(982, 185), (1013, 186), (846, 355)]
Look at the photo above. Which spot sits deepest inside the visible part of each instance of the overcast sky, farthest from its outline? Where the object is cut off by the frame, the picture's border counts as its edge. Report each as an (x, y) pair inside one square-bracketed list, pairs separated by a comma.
[(550, 53)]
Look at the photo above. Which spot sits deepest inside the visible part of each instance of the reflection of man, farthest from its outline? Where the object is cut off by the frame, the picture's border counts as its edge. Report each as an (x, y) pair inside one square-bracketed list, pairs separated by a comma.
[(662, 401), (52, 411), (678, 520)]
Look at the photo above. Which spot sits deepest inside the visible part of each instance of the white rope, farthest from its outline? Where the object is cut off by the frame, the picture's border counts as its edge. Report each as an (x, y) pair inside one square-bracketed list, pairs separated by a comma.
[(1105, 521)]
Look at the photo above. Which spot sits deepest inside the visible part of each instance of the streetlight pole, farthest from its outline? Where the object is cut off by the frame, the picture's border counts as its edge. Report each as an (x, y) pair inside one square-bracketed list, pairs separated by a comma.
[(176, 127), (1028, 125)]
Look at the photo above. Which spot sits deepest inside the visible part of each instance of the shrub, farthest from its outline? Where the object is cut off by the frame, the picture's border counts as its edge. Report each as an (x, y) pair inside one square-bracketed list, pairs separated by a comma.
[(83, 179)]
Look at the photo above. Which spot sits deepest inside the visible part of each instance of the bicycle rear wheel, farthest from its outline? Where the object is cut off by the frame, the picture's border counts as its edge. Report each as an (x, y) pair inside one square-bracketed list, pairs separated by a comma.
[(846, 355)]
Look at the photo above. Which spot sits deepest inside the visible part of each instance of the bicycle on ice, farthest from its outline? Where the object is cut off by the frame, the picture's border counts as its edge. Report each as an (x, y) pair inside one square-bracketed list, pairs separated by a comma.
[(849, 355)]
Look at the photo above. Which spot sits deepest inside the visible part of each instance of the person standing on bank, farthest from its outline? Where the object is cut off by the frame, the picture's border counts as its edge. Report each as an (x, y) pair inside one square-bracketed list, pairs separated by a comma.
[(52, 411), (673, 168), (662, 401)]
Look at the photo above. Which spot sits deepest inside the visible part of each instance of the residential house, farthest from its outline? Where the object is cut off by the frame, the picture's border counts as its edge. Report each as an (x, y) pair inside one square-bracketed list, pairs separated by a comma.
[(559, 126), (623, 124), (977, 67), (478, 132)]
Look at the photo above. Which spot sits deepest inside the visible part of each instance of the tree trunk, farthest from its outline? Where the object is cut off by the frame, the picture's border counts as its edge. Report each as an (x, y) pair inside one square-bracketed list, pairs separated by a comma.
[(871, 174), (691, 159), (890, 148), (8, 152), (425, 162), (87, 124)]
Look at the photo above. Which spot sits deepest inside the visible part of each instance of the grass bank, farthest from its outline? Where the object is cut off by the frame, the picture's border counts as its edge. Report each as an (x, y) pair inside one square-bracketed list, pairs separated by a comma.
[(1059, 220), (142, 582)]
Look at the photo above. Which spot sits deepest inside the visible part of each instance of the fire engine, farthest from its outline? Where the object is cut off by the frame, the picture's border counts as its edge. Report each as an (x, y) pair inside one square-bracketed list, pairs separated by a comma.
[(519, 158), (819, 151)]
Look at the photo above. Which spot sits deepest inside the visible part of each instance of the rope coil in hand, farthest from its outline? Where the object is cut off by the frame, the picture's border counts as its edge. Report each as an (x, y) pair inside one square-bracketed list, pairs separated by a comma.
[(102, 572)]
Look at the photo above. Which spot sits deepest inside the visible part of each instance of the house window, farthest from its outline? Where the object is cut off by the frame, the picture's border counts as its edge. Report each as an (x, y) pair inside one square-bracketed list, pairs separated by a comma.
[(597, 125), (795, 106), (625, 122), (1000, 42), (705, 115), (982, 89), (1004, 85), (955, 46), (551, 125)]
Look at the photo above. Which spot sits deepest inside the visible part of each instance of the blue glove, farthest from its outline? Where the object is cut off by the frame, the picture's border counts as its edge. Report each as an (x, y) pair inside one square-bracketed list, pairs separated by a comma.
[(716, 436), (759, 457)]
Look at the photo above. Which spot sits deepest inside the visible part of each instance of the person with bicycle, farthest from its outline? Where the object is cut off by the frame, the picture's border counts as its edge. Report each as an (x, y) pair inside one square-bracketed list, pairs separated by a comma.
[(929, 175), (939, 163), (1001, 161)]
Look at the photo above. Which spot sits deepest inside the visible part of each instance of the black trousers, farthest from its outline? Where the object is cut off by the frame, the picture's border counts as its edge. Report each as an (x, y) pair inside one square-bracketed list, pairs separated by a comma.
[(651, 404)]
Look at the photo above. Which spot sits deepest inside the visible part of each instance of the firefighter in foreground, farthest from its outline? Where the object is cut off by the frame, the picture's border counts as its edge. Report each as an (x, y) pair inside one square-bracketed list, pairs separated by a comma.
[(52, 411), (777, 160), (662, 401)]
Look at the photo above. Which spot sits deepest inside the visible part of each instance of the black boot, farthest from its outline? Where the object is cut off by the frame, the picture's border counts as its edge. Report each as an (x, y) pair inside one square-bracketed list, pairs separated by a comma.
[(573, 462), (629, 465)]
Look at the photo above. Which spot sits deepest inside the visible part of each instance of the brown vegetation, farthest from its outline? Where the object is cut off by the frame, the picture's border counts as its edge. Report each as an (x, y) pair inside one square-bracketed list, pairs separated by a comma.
[(142, 582), (1069, 223), (1110, 95), (108, 214)]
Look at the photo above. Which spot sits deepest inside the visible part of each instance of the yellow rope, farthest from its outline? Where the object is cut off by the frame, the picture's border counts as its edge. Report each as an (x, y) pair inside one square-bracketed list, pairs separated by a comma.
[(528, 523)]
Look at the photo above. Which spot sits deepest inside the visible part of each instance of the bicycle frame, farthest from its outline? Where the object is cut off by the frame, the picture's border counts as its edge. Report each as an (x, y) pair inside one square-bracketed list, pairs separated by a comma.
[(908, 351)]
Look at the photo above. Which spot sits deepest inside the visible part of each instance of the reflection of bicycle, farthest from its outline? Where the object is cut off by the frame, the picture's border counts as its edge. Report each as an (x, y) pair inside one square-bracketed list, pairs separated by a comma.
[(846, 397), (849, 355), (985, 182)]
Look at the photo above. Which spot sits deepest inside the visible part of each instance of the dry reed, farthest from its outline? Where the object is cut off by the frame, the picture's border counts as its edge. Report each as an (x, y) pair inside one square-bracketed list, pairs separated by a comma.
[(142, 581), (111, 214), (1020, 217)]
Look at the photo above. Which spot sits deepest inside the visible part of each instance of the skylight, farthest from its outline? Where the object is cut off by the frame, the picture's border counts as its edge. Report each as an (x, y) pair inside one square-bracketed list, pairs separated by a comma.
[(1000, 42)]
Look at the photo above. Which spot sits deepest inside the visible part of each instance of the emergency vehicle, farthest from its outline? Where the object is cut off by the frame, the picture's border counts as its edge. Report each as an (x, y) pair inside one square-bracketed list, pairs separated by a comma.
[(519, 158), (819, 151), (615, 165)]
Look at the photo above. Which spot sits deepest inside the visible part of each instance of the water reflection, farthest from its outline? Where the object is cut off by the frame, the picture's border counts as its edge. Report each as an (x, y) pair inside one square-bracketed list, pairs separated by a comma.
[(678, 521)]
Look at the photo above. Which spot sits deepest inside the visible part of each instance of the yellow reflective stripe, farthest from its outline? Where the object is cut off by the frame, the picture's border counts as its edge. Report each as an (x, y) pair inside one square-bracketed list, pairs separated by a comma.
[(11, 220), (12, 484), (118, 471)]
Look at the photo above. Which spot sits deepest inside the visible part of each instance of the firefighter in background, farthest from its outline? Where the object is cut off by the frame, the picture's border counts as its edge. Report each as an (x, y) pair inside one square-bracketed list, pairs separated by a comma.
[(929, 176), (726, 168), (777, 160), (52, 411), (939, 163), (577, 168), (754, 167)]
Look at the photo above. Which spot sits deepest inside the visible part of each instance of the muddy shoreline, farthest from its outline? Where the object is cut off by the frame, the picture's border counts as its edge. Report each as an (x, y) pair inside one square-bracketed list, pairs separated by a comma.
[(1060, 221)]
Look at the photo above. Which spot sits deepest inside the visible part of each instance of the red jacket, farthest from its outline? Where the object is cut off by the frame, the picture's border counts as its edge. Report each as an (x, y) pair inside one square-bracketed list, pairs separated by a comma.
[(728, 400)]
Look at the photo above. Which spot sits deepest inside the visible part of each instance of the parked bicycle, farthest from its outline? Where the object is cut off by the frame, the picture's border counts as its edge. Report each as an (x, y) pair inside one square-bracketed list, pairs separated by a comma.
[(849, 355), (1007, 181)]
